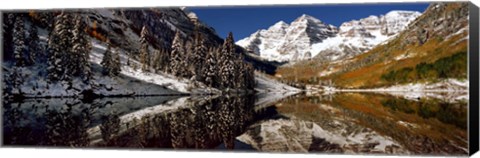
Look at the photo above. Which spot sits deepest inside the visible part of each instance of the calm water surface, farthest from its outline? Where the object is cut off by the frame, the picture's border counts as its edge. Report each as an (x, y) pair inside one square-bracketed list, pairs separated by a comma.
[(334, 123)]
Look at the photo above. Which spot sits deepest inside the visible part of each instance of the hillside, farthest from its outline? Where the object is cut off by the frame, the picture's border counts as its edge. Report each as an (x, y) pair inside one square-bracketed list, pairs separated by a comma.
[(120, 52), (432, 48)]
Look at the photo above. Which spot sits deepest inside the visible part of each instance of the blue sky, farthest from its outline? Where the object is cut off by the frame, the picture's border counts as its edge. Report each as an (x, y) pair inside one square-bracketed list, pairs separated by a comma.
[(245, 20)]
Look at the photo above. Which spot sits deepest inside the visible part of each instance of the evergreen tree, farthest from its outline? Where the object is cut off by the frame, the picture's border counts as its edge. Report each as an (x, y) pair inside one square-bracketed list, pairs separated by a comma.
[(188, 67), (176, 56), (227, 69), (160, 60), (59, 45), (156, 60), (19, 48), (81, 50), (116, 63), (240, 73), (110, 63), (144, 54), (199, 58), (165, 59), (34, 49), (8, 26), (211, 68)]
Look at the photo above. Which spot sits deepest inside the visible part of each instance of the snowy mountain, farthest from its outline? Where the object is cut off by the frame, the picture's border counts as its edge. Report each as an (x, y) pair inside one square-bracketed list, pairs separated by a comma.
[(307, 37), (438, 36)]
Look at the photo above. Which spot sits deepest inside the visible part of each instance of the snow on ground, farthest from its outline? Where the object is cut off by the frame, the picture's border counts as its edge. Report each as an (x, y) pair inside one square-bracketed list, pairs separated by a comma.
[(448, 85), (450, 90), (270, 91), (162, 79), (35, 84), (445, 96), (265, 84), (95, 134), (462, 30), (404, 56)]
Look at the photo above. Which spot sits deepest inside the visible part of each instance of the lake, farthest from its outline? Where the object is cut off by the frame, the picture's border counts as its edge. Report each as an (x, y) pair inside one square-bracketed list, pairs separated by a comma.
[(354, 122)]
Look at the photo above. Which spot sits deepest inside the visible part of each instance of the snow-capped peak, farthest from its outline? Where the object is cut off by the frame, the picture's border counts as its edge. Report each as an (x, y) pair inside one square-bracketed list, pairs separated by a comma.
[(283, 41), (306, 17), (307, 36), (280, 24)]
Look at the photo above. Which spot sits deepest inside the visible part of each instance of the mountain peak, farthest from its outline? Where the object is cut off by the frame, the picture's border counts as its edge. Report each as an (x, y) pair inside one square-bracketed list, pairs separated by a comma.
[(307, 36), (307, 18), (281, 24)]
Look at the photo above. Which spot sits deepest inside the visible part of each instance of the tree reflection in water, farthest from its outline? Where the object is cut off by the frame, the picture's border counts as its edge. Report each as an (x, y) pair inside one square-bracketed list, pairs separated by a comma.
[(200, 123)]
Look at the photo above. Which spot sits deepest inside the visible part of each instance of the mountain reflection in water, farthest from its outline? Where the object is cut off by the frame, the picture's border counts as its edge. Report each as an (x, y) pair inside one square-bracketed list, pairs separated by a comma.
[(334, 123)]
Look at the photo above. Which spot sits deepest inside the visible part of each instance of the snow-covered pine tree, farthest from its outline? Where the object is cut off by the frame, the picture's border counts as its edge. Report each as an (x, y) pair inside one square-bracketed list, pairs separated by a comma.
[(116, 63), (240, 74), (108, 62), (35, 51), (144, 54), (176, 55), (160, 60), (59, 44), (81, 51), (19, 48), (156, 60), (187, 61), (227, 69), (211, 68), (164, 60), (199, 58)]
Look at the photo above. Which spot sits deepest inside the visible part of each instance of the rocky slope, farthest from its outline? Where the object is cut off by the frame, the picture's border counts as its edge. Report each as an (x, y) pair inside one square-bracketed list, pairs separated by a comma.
[(307, 37), (432, 48), (119, 28), (437, 37)]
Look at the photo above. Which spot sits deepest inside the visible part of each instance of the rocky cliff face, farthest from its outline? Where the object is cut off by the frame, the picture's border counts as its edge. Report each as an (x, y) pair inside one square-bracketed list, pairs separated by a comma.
[(440, 33), (307, 37), (441, 20), (122, 26)]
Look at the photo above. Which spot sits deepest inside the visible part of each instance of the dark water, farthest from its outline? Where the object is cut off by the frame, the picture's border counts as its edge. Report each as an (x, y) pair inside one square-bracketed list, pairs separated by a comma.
[(338, 123)]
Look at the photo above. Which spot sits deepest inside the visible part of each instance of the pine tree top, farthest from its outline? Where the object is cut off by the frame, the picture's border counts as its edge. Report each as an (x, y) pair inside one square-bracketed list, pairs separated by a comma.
[(177, 40), (229, 40)]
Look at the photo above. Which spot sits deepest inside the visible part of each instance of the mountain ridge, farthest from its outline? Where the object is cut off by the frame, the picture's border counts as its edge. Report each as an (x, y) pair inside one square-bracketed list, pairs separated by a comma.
[(431, 49), (307, 36)]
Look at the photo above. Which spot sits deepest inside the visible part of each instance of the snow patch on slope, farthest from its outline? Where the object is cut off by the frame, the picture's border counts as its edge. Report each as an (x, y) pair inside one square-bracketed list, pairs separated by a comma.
[(162, 79)]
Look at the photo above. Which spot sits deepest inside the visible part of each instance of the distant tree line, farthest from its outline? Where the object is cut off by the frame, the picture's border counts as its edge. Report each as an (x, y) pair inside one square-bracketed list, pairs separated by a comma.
[(454, 66)]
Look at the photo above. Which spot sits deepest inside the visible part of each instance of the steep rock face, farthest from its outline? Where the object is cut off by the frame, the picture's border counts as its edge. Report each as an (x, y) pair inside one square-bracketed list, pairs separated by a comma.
[(283, 42), (441, 32), (441, 20), (307, 37), (358, 36), (303, 32), (122, 26)]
